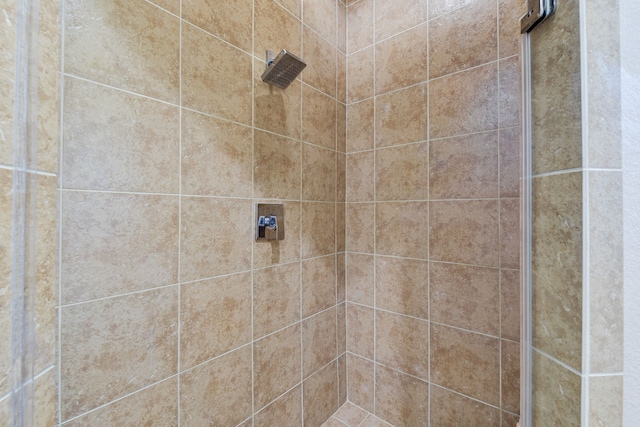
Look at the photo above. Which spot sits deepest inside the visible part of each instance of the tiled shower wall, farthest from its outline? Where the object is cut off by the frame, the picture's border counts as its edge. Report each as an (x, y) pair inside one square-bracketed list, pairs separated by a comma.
[(432, 221), (169, 311)]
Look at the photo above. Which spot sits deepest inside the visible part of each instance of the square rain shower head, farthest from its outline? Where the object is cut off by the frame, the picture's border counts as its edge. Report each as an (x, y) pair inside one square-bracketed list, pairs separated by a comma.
[(282, 70)]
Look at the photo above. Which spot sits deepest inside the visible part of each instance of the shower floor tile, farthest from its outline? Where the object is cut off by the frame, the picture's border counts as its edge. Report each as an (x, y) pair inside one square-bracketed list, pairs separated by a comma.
[(350, 415)]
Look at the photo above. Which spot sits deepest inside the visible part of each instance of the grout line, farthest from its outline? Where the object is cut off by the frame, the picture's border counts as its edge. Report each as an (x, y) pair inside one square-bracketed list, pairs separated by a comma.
[(375, 208), (253, 210)]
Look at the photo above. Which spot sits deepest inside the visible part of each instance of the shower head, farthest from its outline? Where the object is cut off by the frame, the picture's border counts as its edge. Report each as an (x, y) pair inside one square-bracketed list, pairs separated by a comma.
[(282, 70)]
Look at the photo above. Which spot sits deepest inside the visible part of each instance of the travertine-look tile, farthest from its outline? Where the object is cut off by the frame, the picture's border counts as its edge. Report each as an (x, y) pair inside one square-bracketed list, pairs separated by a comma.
[(509, 14), (216, 157), (373, 421), (341, 227), (334, 422), (276, 298), (209, 250), (556, 104), (318, 173), (465, 102), (129, 45), (400, 399), (360, 126), (440, 7), (452, 409), (215, 317), (321, 16), (342, 331), (360, 330), (557, 266), (360, 75), (402, 229), (510, 377), (229, 21), (605, 400), (6, 248), (117, 243), (123, 143), (403, 343), (318, 117), (207, 398), (318, 229), (465, 232), (341, 41), (510, 304), (321, 58), (464, 167), (361, 381), (402, 286), (360, 176), (276, 166), (509, 419), (402, 173), (216, 78), (556, 393), (320, 396), (401, 61), (172, 6), (466, 297), (5, 408), (360, 28), (465, 38), (115, 346), (45, 399), (402, 116), (510, 233), (283, 251), (8, 44), (341, 113), (350, 414), (276, 110), (509, 98), (342, 379), (287, 410), (395, 16), (276, 28), (318, 341), (510, 162), (466, 362), (292, 6), (360, 227), (360, 279), (318, 284), (151, 406)]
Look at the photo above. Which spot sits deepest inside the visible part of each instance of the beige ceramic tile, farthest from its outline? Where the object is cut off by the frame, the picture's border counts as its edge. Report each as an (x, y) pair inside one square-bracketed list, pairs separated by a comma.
[(402, 229), (216, 78), (510, 162), (556, 393), (556, 105), (464, 167), (360, 383), (115, 346), (401, 400), (341, 231), (465, 232), (205, 395), (318, 173), (117, 243), (466, 362), (510, 376), (510, 233), (342, 379), (509, 111), (557, 269), (466, 297), (403, 343), (172, 6), (6, 248), (341, 178), (341, 41), (402, 286), (351, 415), (360, 330), (123, 143), (321, 59), (510, 304), (606, 269), (209, 250), (276, 365), (129, 45), (509, 14), (360, 227), (216, 157), (465, 102), (276, 166), (360, 279), (321, 16), (283, 251), (151, 406), (276, 110), (45, 399), (318, 284), (8, 43), (333, 422), (287, 410), (360, 28), (440, 7), (341, 119), (360, 126), (463, 39), (360, 67), (452, 409), (321, 396), (318, 341), (606, 401), (215, 317), (276, 28), (509, 419), (276, 298), (318, 229), (5, 408), (360, 176), (318, 118), (229, 21), (401, 61), (293, 6), (373, 421), (402, 116), (342, 332), (395, 16), (402, 173)]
